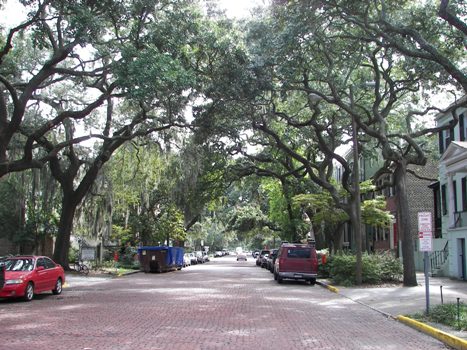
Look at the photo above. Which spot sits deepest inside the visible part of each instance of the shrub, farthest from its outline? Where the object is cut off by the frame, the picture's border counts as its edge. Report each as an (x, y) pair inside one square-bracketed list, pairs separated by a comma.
[(446, 314), (376, 268)]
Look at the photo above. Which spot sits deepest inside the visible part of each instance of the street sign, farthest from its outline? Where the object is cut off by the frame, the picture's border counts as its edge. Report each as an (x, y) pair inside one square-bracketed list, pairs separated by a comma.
[(88, 253), (425, 231)]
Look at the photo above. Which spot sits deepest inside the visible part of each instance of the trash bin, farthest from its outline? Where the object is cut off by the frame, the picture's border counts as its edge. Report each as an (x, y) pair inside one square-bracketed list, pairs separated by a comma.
[(160, 258)]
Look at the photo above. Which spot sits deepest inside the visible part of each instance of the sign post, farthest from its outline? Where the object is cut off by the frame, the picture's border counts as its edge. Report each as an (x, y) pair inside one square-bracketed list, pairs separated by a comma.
[(425, 229)]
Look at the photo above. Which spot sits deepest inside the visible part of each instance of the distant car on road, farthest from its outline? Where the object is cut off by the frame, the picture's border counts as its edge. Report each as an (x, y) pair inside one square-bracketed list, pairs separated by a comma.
[(186, 260), (241, 257), (218, 254), (28, 275)]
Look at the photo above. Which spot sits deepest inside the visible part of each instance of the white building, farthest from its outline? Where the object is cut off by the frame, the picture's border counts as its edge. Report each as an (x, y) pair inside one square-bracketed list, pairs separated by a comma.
[(453, 191)]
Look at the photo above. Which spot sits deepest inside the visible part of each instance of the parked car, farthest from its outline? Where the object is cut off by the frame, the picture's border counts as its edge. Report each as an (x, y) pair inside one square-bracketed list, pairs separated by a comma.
[(199, 256), (271, 259), (29, 275), (193, 258), (296, 261), (186, 260), (255, 254), (205, 257), (218, 254), (241, 256), (260, 260)]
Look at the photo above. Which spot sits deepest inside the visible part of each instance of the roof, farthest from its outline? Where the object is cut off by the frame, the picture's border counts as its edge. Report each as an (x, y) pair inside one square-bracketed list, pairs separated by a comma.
[(458, 103), (455, 157)]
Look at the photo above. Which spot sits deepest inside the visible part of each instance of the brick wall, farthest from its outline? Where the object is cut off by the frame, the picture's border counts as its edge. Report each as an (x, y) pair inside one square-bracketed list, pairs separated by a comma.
[(420, 196)]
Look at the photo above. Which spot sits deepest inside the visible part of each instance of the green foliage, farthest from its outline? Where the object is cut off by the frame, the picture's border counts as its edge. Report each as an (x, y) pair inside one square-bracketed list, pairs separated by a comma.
[(169, 223), (73, 254), (9, 212), (247, 218), (323, 207), (446, 314), (376, 268), (122, 235), (374, 212), (128, 258)]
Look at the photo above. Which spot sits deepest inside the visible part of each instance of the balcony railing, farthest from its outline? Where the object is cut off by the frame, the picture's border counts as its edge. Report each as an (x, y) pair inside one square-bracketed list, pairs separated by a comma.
[(438, 258)]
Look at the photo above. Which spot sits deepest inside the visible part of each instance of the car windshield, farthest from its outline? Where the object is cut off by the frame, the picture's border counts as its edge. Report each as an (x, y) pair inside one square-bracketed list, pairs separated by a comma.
[(19, 264)]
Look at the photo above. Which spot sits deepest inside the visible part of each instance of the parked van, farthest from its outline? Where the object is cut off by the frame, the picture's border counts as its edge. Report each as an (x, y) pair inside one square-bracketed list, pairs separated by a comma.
[(296, 261)]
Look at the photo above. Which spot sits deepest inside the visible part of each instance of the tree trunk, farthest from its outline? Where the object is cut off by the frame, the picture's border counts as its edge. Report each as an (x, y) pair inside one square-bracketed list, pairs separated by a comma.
[(336, 238), (404, 225), (65, 227), (356, 228)]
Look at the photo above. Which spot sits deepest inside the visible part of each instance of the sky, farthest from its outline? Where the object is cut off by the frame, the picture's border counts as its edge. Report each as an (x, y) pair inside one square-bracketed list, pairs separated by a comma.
[(240, 8), (234, 9)]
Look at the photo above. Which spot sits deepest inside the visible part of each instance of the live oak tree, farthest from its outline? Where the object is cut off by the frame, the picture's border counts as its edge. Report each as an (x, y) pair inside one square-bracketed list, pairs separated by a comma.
[(429, 35), (371, 81), (124, 70), (45, 55)]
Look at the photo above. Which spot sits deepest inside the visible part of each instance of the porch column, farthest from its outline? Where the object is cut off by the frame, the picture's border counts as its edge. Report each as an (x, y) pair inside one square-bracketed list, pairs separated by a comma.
[(451, 206)]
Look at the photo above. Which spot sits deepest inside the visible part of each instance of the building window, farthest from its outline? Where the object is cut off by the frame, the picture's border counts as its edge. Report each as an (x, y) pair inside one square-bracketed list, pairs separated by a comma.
[(437, 202), (454, 188), (445, 138), (462, 126), (443, 200), (464, 194)]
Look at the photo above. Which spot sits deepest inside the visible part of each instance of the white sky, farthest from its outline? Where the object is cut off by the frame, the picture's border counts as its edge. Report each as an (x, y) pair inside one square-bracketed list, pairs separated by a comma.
[(14, 13), (240, 8)]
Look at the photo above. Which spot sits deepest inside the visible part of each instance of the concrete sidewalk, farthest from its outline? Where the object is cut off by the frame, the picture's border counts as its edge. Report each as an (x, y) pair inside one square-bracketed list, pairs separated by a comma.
[(397, 300)]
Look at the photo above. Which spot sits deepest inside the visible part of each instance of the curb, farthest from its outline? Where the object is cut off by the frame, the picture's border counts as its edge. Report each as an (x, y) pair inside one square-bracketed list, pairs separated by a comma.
[(328, 287), (446, 338), (126, 273)]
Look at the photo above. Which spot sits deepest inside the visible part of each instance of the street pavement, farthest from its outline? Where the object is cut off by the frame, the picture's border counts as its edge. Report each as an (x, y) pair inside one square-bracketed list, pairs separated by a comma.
[(223, 304), (397, 300)]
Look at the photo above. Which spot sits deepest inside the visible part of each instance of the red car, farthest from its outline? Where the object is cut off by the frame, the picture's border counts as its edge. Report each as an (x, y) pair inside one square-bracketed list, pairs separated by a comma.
[(297, 262), (29, 275)]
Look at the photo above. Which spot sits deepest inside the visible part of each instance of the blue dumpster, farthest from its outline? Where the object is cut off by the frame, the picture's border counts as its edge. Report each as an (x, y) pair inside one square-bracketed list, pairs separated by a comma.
[(160, 258)]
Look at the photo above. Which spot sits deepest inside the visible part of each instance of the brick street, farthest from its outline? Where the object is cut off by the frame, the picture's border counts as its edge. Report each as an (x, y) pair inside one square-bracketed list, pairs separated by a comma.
[(222, 304)]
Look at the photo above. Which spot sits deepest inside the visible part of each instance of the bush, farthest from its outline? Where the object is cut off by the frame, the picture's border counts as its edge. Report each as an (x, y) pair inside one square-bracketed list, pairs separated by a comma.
[(129, 259), (376, 268), (73, 254), (446, 314)]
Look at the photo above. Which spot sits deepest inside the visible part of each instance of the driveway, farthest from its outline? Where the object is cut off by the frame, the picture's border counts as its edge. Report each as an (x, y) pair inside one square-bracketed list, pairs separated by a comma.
[(223, 304)]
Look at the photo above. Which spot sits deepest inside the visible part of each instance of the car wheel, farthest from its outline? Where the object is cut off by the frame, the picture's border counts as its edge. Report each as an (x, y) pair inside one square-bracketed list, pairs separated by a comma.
[(279, 280), (58, 287), (29, 292), (313, 281)]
